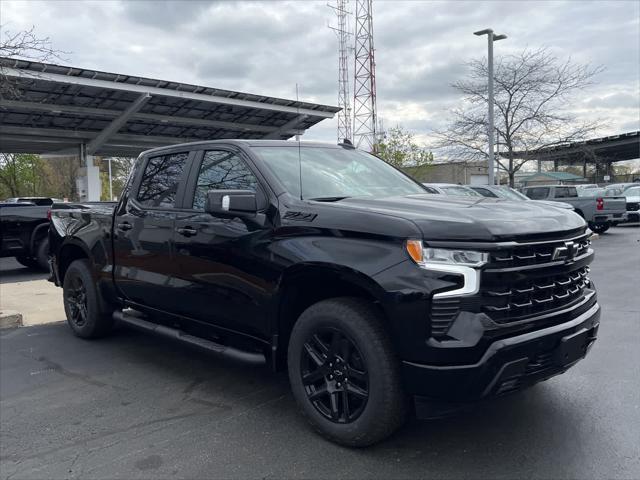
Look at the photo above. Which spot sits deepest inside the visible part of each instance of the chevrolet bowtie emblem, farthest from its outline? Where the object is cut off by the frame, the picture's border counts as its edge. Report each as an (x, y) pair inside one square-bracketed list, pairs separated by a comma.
[(568, 252)]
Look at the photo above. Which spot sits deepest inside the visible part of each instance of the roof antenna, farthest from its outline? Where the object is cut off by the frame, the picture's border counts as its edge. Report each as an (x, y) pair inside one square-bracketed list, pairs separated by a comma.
[(298, 140)]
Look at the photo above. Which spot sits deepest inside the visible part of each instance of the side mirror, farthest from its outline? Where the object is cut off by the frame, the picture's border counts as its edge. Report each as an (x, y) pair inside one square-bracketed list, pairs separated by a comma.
[(234, 203)]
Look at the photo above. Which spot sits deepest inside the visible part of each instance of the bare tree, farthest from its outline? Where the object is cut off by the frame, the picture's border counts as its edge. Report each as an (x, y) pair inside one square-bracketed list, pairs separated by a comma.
[(532, 93), (22, 45)]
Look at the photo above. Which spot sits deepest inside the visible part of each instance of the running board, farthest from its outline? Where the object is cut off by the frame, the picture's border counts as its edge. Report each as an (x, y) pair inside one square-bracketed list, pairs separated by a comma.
[(173, 333)]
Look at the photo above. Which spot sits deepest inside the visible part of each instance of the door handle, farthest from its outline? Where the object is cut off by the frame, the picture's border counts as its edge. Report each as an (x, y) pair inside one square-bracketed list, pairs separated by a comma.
[(187, 231), (124, 226)]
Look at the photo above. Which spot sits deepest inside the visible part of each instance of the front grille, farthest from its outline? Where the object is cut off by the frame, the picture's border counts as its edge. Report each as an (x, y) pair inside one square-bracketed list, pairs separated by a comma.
[(633, 206), (522, 282), (536, 254), (534, 296)]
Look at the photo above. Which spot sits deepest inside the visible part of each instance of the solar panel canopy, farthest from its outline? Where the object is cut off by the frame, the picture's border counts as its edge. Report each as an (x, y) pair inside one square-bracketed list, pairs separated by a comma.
[(48, 108)]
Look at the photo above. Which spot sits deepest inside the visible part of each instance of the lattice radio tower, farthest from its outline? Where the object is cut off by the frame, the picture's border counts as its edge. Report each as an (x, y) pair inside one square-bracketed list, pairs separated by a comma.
[(345, 122), (365, 121)]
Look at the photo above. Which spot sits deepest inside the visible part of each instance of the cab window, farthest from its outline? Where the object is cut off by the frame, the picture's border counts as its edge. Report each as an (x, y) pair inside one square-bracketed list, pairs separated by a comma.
[(537, 193), (161, 179)]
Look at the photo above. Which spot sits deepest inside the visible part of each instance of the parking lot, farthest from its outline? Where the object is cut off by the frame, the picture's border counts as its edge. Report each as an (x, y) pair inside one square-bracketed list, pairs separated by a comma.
[(136, 406)]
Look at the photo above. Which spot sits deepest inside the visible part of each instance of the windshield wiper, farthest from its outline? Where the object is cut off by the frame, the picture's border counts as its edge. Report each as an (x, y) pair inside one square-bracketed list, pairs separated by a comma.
[(328, 199)]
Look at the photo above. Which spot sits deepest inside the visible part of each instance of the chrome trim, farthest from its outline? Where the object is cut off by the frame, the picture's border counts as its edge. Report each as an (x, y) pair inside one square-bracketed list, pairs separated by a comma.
[(501, 245), (535, 266), (471, 279)]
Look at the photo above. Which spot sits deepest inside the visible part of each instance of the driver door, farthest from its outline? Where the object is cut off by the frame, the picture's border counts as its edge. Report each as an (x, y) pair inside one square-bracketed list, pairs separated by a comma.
[(222, 281)]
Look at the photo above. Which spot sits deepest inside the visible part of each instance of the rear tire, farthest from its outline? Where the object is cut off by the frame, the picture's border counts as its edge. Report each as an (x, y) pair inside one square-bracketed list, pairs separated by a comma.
[(28, 262), (344, 373), (88, 315), (42, 254)]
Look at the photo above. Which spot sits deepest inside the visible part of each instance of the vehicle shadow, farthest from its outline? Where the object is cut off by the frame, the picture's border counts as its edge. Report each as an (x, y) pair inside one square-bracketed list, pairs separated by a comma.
[(537, 420), (530, 433)]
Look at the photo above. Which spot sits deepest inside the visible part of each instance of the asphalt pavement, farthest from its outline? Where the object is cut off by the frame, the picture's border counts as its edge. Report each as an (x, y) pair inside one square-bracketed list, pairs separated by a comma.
[(138, 406)]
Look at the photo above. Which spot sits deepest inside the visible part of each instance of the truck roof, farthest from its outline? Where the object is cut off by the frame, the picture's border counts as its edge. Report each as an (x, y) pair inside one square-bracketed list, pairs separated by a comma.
[(248, 143)]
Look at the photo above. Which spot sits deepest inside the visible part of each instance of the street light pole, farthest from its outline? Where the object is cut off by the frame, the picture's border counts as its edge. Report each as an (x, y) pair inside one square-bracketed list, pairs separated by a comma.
[(110, 182), (491, 37)]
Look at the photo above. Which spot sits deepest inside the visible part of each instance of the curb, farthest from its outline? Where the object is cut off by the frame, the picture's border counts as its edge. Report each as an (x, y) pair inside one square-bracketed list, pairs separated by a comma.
[(10, 319)]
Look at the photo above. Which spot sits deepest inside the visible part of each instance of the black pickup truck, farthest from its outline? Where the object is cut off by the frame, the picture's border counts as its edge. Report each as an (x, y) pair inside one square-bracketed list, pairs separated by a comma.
[(328, 262), (23, 233)]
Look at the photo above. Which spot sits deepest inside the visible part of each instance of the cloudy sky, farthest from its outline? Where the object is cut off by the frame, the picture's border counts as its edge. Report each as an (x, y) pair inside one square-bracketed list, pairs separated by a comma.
[(267, 47)]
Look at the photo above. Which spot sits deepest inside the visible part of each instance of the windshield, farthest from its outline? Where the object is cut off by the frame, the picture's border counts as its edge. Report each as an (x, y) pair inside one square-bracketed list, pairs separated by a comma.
[(632, 192), (335, 173), (460, 190), (511, 194)]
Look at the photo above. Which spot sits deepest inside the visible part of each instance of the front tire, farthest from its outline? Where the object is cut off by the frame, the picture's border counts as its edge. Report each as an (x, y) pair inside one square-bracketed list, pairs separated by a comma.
[(344, 373), (88, 315)]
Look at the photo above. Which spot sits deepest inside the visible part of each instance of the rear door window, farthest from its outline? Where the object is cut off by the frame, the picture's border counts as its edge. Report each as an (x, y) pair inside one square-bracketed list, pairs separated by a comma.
[(537, 193), (160, 180), (566, 192)]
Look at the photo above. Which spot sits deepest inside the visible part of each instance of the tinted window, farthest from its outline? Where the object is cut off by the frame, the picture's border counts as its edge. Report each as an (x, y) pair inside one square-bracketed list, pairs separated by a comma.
[(537, 193), (160, 180), (484, 192), (460, 191), (566, 192), (222, 170)]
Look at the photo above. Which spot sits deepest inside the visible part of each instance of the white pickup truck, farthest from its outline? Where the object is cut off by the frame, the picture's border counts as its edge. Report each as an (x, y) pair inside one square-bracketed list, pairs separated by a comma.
[(600, 212)]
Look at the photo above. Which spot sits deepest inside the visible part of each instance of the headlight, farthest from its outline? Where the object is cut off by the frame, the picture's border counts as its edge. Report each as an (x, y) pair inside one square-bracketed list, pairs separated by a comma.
[(458, 262), (468, 258)]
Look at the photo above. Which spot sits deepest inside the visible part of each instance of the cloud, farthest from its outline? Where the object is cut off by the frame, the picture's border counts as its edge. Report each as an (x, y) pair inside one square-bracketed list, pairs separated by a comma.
[(269, 47)]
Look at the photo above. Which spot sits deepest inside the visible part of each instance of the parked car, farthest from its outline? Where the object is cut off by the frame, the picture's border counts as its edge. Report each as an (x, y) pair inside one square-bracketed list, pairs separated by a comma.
[(622, 186), (508, 193), (23, 233), (600, 212), (329, 262), (450, 189), (587, 186), (633, 203)]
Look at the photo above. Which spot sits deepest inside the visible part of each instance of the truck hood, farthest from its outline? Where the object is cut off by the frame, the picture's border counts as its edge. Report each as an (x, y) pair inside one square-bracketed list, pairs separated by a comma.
[(469, 218)]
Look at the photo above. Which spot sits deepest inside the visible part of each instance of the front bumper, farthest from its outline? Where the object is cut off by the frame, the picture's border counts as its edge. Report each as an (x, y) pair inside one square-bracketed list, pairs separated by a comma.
[(508, 364)]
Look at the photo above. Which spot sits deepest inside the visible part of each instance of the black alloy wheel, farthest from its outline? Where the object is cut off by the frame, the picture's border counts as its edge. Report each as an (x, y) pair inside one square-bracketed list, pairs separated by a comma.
[(88, 313), (344, 373), (334, 375), (76, 298)]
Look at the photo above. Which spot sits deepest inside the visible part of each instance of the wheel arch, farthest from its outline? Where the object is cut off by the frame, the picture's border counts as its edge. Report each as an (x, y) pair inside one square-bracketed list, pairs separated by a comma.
[(40, 230), (304, 285), (70, 251)]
